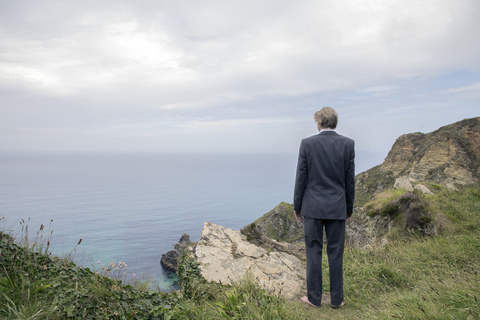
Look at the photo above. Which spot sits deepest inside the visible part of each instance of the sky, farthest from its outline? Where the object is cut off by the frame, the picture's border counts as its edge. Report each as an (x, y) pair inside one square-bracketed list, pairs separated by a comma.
[(232, 76)]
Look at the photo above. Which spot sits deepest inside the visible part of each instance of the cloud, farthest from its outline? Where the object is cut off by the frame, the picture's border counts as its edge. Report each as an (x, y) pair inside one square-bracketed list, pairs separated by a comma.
[(473, 87), (212, 44), (216, 66)]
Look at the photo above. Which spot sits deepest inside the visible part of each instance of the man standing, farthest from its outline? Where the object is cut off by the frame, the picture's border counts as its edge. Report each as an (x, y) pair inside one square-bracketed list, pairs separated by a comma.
[(323, 198)]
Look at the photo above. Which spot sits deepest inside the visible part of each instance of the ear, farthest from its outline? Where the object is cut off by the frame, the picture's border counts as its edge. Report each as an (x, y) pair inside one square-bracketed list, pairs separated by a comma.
[(318, 126)]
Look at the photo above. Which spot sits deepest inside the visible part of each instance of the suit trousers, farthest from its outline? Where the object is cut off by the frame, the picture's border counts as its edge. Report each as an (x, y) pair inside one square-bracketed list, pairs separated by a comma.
[(335, 235)]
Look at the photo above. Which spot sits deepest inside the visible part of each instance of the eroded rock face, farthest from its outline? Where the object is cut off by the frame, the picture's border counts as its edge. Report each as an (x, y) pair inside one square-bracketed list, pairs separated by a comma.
[(449, 156), (280, 224), (363, 230), (169, 261), (401, 153), (224, 255)]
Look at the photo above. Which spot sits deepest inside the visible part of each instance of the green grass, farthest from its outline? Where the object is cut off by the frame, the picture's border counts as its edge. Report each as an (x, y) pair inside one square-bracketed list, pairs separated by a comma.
[(420, 277), (36, 285), (424, 277), (432, 279)]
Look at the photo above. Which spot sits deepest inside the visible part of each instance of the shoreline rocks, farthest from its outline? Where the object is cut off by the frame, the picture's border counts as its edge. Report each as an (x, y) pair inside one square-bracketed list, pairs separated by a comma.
[(169, 260)]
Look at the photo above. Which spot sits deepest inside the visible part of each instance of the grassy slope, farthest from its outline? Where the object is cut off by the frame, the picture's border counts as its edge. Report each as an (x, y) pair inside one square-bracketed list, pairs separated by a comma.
[(411, 278)]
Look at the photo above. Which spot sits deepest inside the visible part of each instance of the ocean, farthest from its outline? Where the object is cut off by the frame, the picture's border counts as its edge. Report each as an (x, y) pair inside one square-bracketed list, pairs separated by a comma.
[(132, 208)]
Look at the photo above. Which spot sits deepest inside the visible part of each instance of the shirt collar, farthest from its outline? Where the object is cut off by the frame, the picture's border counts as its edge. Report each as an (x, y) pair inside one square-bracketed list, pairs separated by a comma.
[(326, 130)]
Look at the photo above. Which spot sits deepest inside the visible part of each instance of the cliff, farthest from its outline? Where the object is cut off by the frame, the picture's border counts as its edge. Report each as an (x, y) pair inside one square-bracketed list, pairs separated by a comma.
[(280, 224), (169, 260), (392, 200), (449, 156)]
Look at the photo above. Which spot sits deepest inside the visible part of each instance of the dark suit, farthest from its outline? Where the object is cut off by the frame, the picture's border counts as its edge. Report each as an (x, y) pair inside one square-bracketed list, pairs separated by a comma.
[(324, 194)]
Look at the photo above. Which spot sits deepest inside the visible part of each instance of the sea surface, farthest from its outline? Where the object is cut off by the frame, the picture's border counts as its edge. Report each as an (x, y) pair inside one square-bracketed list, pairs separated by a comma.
[(132, 208)]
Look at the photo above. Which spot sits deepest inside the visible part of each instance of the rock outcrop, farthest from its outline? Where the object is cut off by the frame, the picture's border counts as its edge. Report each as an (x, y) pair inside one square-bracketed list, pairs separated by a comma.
[(360, 231), (403, 183), (169, 261), (449, 156), (280, 224), (224, 255), (363, 229), (423, 189)]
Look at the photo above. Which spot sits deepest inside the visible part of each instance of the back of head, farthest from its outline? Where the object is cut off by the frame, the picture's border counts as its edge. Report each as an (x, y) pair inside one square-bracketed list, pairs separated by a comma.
[(326, 118)]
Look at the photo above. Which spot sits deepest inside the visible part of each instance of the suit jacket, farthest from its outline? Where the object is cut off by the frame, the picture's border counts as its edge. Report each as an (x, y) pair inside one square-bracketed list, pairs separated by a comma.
[(325, 179)]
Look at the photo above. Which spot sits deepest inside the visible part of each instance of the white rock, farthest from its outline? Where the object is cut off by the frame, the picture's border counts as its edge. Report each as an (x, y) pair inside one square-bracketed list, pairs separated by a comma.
[(224, 255), (403, 183), (423, 189)]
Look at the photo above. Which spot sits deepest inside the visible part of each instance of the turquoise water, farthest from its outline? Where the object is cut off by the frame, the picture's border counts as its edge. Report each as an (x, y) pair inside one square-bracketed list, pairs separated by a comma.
[(133, 207)]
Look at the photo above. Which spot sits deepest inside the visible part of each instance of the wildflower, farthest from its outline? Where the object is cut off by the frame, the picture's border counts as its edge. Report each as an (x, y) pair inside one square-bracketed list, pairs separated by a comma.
[(98, 262), (134, 275)]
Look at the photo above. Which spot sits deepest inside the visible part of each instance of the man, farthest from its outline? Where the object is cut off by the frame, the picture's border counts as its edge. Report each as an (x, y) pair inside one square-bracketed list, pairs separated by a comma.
[(323, 198)]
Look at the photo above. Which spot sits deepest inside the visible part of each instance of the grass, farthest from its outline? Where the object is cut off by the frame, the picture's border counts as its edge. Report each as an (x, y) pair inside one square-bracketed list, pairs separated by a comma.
[(431, 279), (36, 285), (381, 200), (420, 277)]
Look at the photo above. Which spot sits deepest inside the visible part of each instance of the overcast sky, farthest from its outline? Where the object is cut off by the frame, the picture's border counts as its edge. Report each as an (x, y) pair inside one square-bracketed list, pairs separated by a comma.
[(232, 76)]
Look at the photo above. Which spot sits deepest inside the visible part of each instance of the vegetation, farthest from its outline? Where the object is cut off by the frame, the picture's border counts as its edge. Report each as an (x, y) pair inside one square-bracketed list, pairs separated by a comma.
[(369, 182), (36, 285), (409, 212), (275, 224), (414, 276)]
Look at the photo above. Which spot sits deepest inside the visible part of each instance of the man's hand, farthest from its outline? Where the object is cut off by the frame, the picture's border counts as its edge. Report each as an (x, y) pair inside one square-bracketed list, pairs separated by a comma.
[(298, 215), (349, 216)]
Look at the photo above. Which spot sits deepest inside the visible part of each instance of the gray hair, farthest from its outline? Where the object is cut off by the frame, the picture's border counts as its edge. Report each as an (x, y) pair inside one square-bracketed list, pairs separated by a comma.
[(327, 118)]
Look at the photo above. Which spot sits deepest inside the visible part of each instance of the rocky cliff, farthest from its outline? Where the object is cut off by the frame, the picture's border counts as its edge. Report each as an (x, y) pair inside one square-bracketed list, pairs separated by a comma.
[(224, 255), (449, 156), (280, 224), (169, 260), (446, 158)]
